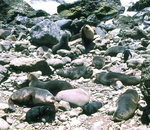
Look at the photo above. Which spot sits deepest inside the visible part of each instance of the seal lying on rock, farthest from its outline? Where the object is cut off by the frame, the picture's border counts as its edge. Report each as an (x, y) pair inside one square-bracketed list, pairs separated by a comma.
[(91, 107), (31, 96), (76, 72), (113, 51), (53, 86), (108, 78), (63, 44), (98, 62), (126, 105), (76, 97), (41, 114), (87, 35)]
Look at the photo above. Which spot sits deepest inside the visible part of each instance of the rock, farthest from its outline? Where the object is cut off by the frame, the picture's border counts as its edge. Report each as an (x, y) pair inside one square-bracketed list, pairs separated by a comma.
[(30, 64), (4, 33), (3, 124), (98, 125), (76, 97), (55, 63), (135, 63), (45, 33), (64, 105), (63, 24), (3, 106), (3, 73), (21, 45), (5, 46), (77, 62)]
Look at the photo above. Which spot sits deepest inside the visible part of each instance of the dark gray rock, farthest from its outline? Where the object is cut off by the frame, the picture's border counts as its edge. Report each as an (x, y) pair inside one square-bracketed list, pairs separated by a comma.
[(65, 23), (45, 33), (30, 64), (3, 73)]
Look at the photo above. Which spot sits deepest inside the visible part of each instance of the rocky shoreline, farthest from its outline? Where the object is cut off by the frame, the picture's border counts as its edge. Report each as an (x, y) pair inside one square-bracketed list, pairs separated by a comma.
[(26, 40)]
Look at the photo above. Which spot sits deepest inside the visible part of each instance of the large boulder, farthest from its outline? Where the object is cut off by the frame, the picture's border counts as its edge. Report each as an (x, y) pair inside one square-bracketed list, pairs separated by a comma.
[(30, 64), (46, 33)]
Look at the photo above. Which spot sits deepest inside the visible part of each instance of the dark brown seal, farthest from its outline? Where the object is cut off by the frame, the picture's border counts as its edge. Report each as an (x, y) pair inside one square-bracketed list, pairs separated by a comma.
[(41, 114), (76, 97), (98, 62), (53, 86), (113, 51), (126, 105), (109, 78), (31, 96), (76, 72), (63, 43), (87, 35)]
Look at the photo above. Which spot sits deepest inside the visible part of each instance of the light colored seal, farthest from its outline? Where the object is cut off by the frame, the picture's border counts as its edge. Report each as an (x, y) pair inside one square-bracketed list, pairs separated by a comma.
[(126, 105), (31, 96)]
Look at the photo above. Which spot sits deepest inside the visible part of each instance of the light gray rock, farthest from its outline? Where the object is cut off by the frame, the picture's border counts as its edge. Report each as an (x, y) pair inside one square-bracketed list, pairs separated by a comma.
[(3, 124)]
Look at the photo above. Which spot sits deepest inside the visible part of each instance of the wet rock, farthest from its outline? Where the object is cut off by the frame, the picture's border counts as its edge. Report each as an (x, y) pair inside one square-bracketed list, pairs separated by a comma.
[(45, 33)]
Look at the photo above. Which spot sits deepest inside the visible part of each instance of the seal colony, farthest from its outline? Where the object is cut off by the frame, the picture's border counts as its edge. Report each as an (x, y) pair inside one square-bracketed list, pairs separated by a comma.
[(53, 86), (126, 105)]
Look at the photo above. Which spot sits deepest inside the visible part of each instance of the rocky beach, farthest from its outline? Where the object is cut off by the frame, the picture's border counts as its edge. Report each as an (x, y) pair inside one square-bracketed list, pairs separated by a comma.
[(27, 37)]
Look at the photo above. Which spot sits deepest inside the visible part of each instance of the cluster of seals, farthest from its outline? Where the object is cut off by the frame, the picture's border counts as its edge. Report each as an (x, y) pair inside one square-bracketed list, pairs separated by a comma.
[(53, 86), (87, 35), (75, 97), (126, 105), (63, 43), (30, 96), (41, 114), (91, 107), (113, 51), (76, 72), (98, 62), (109, 78)]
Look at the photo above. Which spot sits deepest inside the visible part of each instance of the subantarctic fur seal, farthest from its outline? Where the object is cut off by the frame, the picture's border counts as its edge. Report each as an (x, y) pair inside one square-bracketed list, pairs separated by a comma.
[(126, 105), (63, 43), (87, 35), (53, 86), (98, 62), (75, 97), (108, 78), (76, 72), (113, 51), (31, 96), (91, 107), (41, 114)]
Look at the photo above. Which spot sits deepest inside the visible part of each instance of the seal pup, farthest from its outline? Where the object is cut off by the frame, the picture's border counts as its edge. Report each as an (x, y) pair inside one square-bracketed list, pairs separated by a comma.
[(91, 107), (30, 96), (63, 43), (126, 105), (98, 62), (76, 72), (75, 97), (41, 114), (113, 51), (53, 86), (109, 78), (87, 35)]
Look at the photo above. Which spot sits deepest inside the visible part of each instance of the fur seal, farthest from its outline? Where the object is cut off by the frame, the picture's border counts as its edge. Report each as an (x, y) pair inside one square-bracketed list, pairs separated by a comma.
[(76, 97), (87, 35), (113, 51), (76, 72), (108, 78), (126, 105), (31, 96), (91, 107), (41, 114), (63, 43), (53, 86), (98, 62)]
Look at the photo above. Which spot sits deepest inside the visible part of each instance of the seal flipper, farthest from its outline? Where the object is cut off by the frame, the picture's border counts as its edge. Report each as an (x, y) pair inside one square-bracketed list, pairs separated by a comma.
[(126, 54), (11, 105)]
